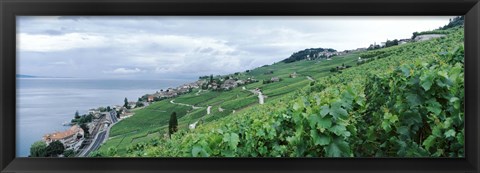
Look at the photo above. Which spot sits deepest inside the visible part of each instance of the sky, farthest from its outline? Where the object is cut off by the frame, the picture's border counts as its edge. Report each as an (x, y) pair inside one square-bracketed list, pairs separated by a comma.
[(185, 47)]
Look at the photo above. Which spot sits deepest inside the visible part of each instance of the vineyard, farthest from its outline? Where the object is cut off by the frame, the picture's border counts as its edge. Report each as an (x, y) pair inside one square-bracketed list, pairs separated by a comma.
[(406, 101)]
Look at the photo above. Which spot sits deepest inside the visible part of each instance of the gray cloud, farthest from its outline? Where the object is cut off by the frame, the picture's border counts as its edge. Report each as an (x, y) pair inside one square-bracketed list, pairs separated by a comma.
[(190, 46)]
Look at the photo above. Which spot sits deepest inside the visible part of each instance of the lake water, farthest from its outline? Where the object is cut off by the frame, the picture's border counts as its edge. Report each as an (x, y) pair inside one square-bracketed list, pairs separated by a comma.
[(44, 104)]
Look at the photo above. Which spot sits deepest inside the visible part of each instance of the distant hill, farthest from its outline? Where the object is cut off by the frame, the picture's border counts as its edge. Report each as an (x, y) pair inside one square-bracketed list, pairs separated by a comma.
[(311, 53), (25, 76)]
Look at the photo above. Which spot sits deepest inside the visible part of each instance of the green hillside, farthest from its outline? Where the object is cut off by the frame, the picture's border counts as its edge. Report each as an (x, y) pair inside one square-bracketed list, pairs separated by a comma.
[(152, 121), (405, 100)]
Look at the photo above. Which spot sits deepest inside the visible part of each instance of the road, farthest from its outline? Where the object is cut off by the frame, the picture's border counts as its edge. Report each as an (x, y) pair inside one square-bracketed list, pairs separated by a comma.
[(310, 78), (183, 104), (113, 117), (96, 144)]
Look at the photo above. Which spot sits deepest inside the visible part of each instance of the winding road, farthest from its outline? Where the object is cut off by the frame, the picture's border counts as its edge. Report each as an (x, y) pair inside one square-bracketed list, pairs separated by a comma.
[(184, 104), (97, 141)]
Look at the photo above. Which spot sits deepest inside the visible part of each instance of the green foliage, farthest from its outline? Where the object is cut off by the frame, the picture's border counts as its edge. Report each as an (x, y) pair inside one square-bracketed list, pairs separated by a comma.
[(55, 148), (173, 124), (77, 115), (69, 153), (406, 102), (38, 149)]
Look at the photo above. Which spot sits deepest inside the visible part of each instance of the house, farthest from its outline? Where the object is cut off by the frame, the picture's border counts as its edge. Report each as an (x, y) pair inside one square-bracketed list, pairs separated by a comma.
[(93, 111), (68, 138), (150, 98), (132, 104), (275, 79), (240, 82), (293, 75), (382, 44), (229, 84), (404, 41), (428, 37)]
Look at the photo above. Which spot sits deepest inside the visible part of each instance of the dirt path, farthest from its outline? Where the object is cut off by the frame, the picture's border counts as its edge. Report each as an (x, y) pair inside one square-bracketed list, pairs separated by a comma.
[(310, 78), (183, 104)]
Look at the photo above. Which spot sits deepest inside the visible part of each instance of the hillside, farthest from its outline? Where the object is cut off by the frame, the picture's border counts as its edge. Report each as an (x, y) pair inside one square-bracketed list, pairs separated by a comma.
[(401, 101), (152, 121)]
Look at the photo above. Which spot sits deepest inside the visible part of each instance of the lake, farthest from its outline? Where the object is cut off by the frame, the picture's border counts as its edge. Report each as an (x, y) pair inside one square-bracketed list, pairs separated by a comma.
[(43, 104)]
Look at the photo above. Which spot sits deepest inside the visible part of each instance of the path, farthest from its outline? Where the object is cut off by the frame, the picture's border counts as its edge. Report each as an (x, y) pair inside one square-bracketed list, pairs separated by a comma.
[(310, 78), (208, 110), (198, 93), (183, 104), (261, 97)]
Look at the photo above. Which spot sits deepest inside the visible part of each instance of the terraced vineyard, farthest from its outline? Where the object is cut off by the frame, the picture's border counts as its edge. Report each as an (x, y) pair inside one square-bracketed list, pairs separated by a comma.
[(406, 102)]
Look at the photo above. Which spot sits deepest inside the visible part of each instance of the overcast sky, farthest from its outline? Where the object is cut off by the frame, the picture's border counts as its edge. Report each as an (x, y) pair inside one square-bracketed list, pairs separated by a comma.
[(187, 47)]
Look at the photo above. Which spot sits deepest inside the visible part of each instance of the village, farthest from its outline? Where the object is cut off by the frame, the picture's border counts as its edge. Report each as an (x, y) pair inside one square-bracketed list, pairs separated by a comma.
[(89, 131)]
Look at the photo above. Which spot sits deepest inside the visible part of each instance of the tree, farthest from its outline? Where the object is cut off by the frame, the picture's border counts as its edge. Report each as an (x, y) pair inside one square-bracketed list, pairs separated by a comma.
[(69, 153), (55, 148), (38, 149), (211, 78), (172, 124), (77, 115), (139, 104), (125, 102), (109, 109), (85, 129)]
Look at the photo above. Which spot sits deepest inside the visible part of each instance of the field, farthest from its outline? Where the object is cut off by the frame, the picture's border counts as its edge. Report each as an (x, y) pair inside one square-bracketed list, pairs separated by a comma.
[(405, 102)]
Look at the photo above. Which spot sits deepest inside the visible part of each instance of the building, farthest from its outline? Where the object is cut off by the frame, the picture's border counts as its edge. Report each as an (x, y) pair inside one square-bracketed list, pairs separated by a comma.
[(132, 104), (229, 84), (68, 138), (150, 98), (275, 79), (93, 111), (293, 75)]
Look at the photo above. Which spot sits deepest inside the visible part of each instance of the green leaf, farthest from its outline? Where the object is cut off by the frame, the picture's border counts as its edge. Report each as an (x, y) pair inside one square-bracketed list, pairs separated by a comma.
[(405, 70), (386, 126), (403, 130), (337, 111), (426, 84), (434, 107), (198, 151), (321, 123), (450, 133), (413, 99), (436, 131), (296, 106), (313, 120), (324, 123), (232, 139), (340, 130), (426, 81), (429, 142), (324, 110), (338, 148), (390, 117), (319, 139), (454, 99)]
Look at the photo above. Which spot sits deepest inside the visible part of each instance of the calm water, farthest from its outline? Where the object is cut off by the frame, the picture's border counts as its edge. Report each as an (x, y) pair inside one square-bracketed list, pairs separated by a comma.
[(44, 104)]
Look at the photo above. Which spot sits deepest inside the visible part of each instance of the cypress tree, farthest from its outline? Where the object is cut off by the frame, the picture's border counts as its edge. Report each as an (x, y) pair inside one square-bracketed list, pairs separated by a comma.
[(172, 124)]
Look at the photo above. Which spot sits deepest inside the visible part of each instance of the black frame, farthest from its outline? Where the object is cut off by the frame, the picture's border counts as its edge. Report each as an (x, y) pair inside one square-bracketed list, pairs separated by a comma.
[(11, 8)]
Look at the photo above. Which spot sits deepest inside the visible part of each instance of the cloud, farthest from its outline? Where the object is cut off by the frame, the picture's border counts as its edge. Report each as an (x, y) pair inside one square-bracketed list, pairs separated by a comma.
[(124, 71), (190, 46), (51, 43)]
